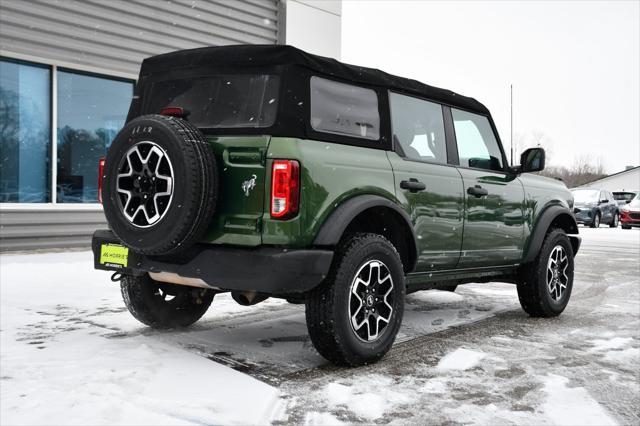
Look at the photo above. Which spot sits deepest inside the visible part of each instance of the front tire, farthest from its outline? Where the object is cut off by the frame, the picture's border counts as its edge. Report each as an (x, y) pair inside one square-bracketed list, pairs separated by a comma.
[(161, 305), (354, 315), (595, 223), (544, 285)]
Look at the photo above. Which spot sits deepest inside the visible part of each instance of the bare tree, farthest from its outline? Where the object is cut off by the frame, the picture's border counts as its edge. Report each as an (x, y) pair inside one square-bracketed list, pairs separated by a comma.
[(533, 139), (584, 169)]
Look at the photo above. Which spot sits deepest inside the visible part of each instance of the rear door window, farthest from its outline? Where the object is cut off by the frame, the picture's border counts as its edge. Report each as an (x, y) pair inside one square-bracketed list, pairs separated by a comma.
[(344, 109), (477, 144), (418, 127), (218, 101)]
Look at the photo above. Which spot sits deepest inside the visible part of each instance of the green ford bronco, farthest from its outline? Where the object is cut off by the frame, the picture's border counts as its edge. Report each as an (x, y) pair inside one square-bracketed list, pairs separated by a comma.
[(265, 171)]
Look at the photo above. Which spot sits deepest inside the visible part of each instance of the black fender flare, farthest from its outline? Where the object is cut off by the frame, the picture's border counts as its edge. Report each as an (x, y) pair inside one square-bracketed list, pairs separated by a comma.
[(334, 226), (547, 217)]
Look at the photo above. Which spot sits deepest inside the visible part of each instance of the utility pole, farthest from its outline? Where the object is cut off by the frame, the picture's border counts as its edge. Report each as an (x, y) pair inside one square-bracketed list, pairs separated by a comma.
[(511, 125)]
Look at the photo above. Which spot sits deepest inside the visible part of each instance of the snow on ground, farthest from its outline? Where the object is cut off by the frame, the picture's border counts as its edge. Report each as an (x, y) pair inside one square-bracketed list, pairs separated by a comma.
[(566, 405), (64, 362), (368, 399), (460, 359), (71, 353)]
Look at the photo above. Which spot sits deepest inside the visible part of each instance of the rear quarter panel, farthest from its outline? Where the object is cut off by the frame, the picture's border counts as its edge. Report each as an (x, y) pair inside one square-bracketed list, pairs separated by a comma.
[(330, 174), (239, 208)]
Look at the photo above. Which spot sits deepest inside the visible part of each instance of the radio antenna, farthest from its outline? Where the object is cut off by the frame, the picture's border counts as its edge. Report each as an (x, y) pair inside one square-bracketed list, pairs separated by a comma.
[(511, 125)]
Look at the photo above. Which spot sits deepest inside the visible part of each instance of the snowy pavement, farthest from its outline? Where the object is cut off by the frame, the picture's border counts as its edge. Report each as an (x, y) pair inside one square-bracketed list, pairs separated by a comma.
[(70, 353)]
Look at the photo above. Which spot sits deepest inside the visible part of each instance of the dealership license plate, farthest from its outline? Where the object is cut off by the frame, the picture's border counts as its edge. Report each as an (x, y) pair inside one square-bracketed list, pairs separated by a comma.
[(114, 255)]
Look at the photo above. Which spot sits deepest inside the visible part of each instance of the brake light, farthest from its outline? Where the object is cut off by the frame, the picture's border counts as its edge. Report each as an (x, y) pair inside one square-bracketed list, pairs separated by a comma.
[(100, 176), (174, 112), (285, 188)]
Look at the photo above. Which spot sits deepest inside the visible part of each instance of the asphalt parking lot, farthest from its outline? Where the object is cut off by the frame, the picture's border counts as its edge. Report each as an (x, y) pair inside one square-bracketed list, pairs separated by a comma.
[(470, 357)]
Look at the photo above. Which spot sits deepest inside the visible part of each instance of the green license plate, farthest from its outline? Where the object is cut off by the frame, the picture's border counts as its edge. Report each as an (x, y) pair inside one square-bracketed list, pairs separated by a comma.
[(114, 255)]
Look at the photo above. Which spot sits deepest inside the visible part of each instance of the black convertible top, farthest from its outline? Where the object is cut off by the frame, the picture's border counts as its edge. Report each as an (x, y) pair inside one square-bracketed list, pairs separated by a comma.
[(269, 56), (176, 79)]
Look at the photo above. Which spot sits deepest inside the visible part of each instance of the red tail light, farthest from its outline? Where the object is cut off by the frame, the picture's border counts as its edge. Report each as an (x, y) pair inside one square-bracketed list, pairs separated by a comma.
[(285, 189), (100, 176), (174, 112)]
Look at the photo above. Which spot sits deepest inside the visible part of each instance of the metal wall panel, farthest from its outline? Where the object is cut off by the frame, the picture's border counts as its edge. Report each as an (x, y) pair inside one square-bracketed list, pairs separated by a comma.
[(25, 228), (117, 34), (113, 37)]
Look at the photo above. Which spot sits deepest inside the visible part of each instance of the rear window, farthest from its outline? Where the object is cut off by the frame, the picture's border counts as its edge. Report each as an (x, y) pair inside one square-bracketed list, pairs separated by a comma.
[(343, 109), (222, 101)]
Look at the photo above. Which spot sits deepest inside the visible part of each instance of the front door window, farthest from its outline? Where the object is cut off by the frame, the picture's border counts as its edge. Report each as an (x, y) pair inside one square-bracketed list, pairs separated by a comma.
[(477, 144)]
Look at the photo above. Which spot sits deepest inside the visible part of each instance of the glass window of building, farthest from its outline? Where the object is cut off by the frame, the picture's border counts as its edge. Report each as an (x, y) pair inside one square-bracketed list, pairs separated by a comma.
[(25, 133), (91, 111)]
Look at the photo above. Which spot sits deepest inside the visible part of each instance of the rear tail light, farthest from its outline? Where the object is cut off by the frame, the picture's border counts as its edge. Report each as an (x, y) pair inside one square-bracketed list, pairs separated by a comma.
[(285, 189), (100, 176), (174, 112)]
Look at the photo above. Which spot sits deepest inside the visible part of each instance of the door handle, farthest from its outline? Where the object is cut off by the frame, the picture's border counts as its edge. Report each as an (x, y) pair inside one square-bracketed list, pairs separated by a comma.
[(413, 185), (477, 191)]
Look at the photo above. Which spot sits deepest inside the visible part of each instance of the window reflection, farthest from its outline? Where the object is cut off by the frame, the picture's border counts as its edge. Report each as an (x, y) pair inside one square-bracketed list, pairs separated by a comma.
[(25, 133), (91, 111)]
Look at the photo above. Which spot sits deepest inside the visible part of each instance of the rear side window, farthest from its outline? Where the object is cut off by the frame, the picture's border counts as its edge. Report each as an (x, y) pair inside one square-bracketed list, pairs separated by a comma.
[(218, 101), (477, 144), (343, 109)]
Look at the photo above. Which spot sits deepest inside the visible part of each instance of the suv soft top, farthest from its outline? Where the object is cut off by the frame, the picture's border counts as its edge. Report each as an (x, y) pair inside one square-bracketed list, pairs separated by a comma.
[(293, 68), (268, 56)]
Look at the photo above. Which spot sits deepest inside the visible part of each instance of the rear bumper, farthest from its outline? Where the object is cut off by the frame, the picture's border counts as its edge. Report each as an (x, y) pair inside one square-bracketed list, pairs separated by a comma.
[(266, 270)]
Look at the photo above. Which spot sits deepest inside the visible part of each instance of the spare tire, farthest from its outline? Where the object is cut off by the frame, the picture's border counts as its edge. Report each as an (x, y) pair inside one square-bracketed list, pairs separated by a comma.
[(159, 185)]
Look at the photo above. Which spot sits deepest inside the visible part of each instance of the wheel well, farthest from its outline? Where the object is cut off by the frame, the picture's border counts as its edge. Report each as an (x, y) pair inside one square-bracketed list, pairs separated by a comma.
[(565, 222), (390, 224)]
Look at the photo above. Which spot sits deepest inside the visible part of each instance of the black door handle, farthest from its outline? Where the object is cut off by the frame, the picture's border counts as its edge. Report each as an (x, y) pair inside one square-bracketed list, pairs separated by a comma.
[(477, 191), (413, 185)]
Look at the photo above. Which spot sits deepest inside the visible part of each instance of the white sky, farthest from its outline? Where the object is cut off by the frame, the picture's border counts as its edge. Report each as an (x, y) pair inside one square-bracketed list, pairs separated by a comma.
[(575, 66)]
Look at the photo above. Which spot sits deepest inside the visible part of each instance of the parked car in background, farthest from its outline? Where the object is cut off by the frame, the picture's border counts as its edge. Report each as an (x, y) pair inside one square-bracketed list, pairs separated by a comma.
[(630, 213), (593, 206), (624, 197)]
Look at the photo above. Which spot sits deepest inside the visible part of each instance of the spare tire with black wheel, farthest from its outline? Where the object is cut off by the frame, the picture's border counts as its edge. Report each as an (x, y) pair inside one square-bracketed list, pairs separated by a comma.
[(160, 185)]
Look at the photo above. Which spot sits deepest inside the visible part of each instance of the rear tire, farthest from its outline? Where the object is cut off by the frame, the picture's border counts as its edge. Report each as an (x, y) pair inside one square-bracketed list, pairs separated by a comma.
[(544, 285), (161, 305), (354, 315), (626, 227), (614, 221)]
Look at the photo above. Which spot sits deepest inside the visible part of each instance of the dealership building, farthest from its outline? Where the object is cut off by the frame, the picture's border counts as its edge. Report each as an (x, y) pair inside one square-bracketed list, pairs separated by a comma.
[(626, 180), (67, 72)]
